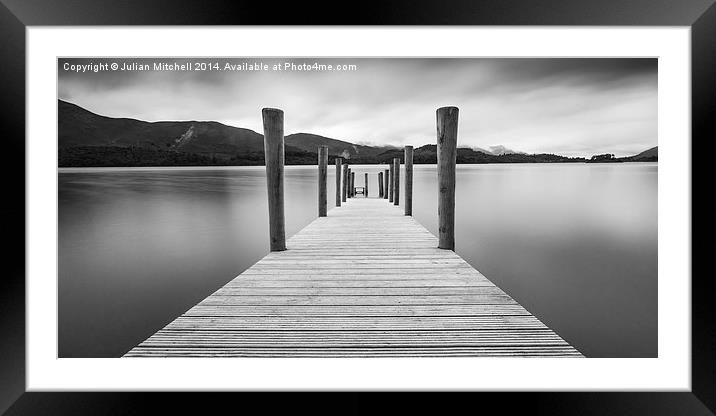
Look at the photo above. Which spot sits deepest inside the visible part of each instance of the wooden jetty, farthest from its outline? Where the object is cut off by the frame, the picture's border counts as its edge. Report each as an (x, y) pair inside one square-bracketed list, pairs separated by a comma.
[(364, 279), (380, 291)]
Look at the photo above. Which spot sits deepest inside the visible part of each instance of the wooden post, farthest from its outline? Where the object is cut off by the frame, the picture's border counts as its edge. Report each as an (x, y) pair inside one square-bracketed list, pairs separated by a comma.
[(380, 185), (386, 179), (408, 180), (322, 180), (396, 182), (391, 188), (348, 186), (447, 156), (338, 181), (344, 190), (274, 156), (365, 191), (353, 184)]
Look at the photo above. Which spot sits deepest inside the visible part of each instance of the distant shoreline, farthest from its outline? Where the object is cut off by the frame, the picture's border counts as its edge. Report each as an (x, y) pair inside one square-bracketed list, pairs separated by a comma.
[(138, 156), (109, 168)]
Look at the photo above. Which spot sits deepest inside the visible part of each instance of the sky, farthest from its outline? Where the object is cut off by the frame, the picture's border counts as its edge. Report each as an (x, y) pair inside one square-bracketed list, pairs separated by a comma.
[(567, 106)]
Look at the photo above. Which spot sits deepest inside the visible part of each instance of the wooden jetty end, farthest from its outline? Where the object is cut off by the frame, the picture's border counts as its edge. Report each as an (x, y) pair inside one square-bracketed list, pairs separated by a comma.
[(364, 281)]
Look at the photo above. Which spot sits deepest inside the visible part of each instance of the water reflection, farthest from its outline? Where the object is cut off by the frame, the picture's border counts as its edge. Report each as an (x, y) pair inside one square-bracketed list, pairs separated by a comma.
[(574, 244)]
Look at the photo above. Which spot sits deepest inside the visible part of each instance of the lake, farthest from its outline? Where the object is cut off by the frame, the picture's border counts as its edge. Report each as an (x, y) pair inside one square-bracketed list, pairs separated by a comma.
[(575, 244)]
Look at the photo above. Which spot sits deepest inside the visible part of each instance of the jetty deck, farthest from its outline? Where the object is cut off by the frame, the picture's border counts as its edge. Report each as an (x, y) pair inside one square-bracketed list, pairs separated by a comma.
[(363, 281)]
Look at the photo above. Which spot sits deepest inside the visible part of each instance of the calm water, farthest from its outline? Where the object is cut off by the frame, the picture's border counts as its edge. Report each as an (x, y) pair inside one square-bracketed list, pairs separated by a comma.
[(574, 244)]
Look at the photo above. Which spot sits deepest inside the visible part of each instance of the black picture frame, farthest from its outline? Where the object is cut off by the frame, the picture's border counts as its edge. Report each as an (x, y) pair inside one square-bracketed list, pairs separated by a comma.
[(15, 15)]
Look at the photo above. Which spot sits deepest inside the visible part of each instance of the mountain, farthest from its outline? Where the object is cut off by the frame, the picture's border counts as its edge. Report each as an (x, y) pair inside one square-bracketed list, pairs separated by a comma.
[(78, 127), (89, 137)]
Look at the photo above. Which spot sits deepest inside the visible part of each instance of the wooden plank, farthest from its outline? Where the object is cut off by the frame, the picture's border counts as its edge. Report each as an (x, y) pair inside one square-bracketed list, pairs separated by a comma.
[(383, 289), (357, 310), (360, 291)]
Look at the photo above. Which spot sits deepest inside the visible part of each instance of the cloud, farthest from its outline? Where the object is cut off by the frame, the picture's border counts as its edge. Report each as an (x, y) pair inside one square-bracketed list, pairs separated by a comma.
[(568, 106)]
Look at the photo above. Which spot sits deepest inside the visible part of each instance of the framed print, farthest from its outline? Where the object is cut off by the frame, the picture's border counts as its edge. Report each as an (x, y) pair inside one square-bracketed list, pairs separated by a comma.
[(496, 201)]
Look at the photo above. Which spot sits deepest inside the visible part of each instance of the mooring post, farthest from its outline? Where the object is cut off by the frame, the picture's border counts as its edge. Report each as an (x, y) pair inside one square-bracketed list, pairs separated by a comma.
[(353, 184), (447, 157), (386, 180), (322, 180), (348, 185), (274, 156), (366, 185), (396, 181), (391, 186), (380, 185), (344, 190), (338, 181), (408, 180)]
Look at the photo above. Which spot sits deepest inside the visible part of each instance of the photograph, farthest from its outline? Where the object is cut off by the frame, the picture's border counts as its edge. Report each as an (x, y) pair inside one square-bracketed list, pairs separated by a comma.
[(366, 207)]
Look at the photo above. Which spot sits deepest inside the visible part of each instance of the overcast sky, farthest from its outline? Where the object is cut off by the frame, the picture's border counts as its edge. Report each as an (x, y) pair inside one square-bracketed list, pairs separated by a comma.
[(576, 107)]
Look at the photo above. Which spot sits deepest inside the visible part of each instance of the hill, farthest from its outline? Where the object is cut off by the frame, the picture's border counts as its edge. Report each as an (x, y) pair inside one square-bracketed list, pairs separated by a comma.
[(650, 155), (78, 127), (89, 139)]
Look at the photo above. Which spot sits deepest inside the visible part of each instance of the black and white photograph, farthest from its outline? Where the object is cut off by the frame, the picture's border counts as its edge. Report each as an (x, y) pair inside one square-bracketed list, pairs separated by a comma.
[(338, 207), (206, 202)]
